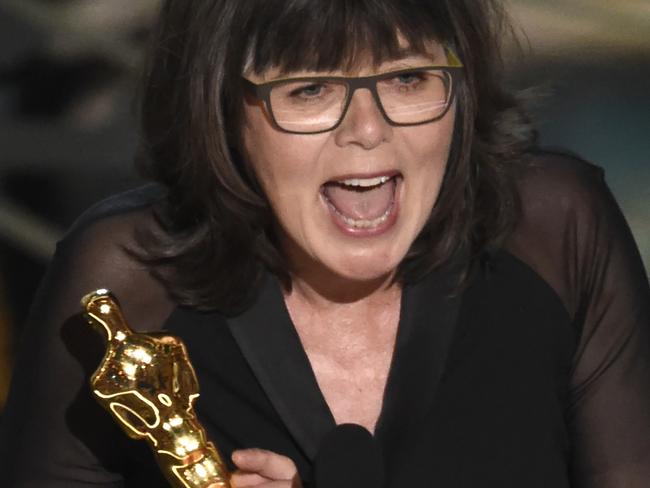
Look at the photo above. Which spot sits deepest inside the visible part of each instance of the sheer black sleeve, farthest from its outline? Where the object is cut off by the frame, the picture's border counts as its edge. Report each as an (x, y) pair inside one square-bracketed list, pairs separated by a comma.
[(573, 234), (53, 435)]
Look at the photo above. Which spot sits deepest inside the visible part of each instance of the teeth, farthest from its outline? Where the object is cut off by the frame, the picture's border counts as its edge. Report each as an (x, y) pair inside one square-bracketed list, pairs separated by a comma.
[(365, 182)]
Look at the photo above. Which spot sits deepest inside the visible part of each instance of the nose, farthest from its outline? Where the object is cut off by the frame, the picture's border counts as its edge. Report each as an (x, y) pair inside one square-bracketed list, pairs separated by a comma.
[(363, 123)]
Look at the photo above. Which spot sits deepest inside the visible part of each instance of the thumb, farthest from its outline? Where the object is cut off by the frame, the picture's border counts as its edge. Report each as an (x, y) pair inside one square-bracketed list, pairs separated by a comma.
[(265, 463)]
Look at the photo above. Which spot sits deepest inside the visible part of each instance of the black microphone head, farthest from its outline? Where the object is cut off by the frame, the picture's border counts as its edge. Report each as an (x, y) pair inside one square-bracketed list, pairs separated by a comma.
[(349, 457)]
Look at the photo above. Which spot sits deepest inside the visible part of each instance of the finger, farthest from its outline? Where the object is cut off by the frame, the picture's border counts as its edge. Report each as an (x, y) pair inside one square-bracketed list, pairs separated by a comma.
[(275, 484), (278, 484), (265, 463), (242, 479), (267, 484)]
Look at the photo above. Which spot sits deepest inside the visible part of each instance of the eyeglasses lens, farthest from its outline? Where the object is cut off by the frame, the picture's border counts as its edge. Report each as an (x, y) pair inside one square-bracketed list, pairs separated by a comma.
[(308, 105), (317, 105), (410, 98)]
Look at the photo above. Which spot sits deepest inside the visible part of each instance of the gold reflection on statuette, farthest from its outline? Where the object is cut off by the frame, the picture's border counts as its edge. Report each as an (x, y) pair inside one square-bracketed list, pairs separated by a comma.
[(147, 383)]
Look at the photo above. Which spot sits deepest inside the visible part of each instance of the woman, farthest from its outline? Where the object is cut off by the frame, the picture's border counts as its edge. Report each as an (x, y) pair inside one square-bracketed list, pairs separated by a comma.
[(349, 227)]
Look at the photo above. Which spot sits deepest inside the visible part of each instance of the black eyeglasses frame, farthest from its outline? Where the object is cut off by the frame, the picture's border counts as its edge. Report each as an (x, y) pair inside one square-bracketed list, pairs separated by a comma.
[(262, 91)]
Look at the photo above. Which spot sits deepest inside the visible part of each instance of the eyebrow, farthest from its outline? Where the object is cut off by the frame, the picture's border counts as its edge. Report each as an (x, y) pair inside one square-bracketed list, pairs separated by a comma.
[(407, 51), (429, 48), (402, 58)]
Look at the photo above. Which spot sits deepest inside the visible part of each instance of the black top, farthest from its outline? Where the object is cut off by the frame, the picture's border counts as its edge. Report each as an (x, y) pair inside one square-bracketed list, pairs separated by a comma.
[(536, 375)]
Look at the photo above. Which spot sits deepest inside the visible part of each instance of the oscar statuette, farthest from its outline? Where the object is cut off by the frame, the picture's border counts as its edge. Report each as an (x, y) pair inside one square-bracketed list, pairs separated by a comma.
[(148, 385)]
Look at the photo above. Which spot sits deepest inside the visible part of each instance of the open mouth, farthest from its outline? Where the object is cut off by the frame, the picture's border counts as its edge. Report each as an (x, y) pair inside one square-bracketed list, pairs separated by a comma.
[(362, 203)]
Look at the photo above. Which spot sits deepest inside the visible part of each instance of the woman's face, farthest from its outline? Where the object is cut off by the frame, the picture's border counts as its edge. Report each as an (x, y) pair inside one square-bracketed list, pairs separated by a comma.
[(350, 201)]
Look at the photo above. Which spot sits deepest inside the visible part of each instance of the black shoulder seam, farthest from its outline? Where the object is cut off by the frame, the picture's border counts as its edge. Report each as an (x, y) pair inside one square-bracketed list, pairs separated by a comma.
[(127, 201), (561, 155)]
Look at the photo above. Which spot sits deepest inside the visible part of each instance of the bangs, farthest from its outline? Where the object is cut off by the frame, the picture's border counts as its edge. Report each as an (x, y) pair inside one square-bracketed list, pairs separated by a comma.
[(336, 34)]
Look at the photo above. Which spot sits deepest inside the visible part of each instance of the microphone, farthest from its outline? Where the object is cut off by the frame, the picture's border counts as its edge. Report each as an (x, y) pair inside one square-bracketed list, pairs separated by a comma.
[(348, 457)]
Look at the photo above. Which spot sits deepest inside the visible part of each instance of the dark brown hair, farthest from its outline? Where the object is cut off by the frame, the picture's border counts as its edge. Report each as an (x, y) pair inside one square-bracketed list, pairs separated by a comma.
[(216, 234)]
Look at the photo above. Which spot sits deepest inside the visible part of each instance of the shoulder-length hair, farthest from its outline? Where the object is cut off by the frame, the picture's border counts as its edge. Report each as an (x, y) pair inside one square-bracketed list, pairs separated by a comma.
[(216, 226)]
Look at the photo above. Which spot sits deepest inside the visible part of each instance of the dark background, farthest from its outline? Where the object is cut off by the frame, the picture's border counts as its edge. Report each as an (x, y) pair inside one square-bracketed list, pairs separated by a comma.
[(69, 69)]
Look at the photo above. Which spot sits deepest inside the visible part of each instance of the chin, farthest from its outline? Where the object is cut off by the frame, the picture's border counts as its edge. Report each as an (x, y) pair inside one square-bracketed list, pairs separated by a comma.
[(365, 270)]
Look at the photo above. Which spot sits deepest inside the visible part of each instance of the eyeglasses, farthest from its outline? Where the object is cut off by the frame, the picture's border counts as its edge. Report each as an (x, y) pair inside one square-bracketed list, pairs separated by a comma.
[(315, 104)]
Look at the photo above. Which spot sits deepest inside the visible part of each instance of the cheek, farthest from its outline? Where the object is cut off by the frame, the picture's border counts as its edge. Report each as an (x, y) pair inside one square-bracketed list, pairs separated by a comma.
[(284, 164), (429, 150), (265, 152)]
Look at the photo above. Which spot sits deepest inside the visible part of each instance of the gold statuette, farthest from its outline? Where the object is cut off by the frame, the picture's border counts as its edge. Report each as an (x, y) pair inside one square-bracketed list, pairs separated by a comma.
[(147, 383)]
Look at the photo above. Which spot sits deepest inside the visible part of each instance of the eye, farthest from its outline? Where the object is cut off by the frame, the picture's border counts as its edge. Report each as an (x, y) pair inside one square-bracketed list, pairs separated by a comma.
[(408, 78), (308, 91), (405, 82)]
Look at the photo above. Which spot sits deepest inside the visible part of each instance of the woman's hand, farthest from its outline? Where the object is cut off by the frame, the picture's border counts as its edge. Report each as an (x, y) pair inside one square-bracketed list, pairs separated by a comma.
[(264, 469)]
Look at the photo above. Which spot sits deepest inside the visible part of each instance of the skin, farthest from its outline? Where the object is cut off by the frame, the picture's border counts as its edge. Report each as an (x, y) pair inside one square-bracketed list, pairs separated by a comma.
[(343, 303)]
